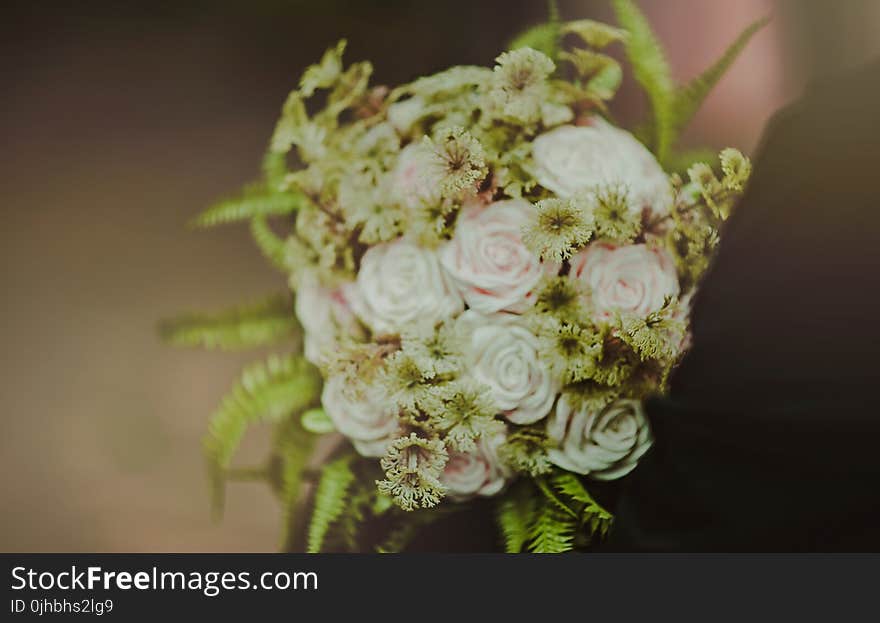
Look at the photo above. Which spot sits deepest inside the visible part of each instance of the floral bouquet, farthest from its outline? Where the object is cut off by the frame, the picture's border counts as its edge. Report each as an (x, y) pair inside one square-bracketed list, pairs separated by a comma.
[(489, 276)]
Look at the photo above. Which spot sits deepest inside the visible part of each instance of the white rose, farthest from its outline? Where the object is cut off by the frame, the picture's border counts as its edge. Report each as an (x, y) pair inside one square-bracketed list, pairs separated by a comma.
[(503, 355), (362, 413), (477, 473), (415, 181), (573, 159), (606, 444), (486, 257), (324, 314), (400, 284), (632, 279)]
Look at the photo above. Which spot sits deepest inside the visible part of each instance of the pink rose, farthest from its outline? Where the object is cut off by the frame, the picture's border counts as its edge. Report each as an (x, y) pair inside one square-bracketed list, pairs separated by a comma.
[(477, 473), (632, 279), (493, 269)]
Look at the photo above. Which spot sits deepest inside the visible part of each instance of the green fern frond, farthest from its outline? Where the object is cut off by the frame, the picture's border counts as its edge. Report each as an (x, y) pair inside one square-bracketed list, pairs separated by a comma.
[(274, 169), (256, 200), (651, 71), (553, 531), (689, 97), (270, 244), (266, 391), (293, 448), (592, 514), (514, 515), (330, 498), (543, 37), (346, 534), (257, 324), (554, 499)]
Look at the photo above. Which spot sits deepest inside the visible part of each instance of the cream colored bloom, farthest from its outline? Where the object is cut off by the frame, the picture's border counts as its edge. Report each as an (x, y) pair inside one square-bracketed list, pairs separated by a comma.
[(605, 444), (502, 354), (399, 285), (362, 413), (570, 160)]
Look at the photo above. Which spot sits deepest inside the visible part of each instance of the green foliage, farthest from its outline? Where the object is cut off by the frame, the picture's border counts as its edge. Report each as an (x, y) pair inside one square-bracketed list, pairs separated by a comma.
[(324, 74), (256, 200), (274, 170), (330, 500), (514, 514), (270, 244), (566, 508), (591, 512), (264, 322), (317, 421), (689, 97), (345, 534), (543, 37), (266, 392), (595, 34), (651, 71), (292, 449), (553, 531), (672, 107)]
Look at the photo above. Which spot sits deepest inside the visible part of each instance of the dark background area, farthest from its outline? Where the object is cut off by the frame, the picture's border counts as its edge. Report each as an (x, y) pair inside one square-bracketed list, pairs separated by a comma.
[(119, 122)]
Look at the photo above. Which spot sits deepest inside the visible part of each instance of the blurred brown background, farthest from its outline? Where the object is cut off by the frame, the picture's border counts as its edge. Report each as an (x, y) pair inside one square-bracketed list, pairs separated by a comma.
[(119, 124)]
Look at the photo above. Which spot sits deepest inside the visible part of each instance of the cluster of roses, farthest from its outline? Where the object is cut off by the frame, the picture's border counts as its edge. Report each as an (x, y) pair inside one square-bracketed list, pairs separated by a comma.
[(482, 280)]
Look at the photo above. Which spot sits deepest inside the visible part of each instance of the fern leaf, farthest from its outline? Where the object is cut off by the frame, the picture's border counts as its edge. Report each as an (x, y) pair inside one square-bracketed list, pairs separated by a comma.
[(543, 37), (274, 169), (346, 532), (260, 323), (554, 499), (293, 448), (592, 513), (330, 498), (270, 244), (553, 531), (689, 97), (651, 71), (514, 514), (266, 391), (254, 201)]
